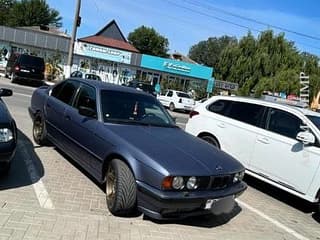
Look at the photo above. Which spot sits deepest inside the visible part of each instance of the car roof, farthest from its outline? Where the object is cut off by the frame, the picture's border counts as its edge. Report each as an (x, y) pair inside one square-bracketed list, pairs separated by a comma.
[(304, 111), (109, 86)]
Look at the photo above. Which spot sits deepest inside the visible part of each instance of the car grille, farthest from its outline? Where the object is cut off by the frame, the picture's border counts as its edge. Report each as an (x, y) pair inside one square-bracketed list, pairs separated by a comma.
[(219, 182)]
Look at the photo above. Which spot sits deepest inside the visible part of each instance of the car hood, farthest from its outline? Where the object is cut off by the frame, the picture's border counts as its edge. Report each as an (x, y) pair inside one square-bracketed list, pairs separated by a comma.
[(5, 116), (173, 151)]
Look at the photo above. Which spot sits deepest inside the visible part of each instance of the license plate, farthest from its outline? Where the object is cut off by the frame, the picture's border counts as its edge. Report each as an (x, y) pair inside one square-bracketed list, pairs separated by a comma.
[(210, 202)]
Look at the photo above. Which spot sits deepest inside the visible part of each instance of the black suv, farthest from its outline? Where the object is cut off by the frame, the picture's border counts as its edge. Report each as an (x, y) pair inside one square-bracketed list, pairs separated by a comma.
[(25, 67)]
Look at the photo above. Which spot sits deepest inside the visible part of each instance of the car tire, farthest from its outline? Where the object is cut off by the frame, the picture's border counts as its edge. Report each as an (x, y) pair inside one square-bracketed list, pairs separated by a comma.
[(121, 190), (39, 131), (12, 78), (171, 107), (212, 140)]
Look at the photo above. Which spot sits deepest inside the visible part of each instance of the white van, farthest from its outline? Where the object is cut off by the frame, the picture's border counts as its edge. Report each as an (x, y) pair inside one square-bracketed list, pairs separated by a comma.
[(277, 143)]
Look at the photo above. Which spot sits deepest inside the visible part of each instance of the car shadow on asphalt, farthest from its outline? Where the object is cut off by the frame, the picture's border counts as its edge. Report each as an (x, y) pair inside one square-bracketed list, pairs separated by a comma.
[(26, 167), (283, 196), (205, 221)]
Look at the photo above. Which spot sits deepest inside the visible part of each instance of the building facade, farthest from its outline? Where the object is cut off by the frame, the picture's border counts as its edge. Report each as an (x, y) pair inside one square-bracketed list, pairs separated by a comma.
[(107, 54)]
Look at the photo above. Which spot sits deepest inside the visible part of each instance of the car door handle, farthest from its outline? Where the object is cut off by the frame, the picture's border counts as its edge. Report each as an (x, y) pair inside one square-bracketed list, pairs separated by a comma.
[(263, 140), (221, 125)]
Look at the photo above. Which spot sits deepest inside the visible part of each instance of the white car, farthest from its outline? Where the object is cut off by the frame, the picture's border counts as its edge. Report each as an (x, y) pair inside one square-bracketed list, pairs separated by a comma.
[(85, 75), (277, 143), (177, 100)]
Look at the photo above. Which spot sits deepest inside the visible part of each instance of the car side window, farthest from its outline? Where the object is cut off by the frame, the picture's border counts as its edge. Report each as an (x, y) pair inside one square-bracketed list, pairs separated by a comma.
[(74, 74), (246, 112), (86, 98), (170, 94), (284, 123), (219, 107), (56, 90), (67, 92)]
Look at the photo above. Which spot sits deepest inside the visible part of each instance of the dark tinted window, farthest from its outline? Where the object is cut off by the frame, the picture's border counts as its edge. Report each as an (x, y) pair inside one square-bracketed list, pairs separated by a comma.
[(56, 90), (86, 98), (31, 60), (246, 112), (219, 107), (284, 123), (125, 107), (170, 93), (315, 120), (67, 92)]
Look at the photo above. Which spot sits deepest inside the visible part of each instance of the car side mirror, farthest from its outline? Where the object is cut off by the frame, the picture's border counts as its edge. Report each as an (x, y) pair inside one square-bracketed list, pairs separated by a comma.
[(4, 92), (88, 112), (306, 138)]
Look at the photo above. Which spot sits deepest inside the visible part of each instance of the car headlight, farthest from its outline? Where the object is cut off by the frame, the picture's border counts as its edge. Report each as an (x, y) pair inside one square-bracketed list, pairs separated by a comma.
[(5, 135), (192, 183), (177, 183), (238, 177)]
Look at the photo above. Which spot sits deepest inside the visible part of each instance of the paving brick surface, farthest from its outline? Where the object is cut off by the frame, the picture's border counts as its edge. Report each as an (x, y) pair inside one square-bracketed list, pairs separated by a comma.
[(79, 209)]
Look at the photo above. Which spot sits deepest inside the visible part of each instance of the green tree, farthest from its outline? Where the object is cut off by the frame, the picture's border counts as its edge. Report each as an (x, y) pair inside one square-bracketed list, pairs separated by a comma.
[(208, 52), (33, 13), (148, 41), (5, 6)]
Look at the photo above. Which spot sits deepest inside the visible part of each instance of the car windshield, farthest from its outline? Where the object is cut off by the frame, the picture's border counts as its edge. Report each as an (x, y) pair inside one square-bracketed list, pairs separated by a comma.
[(183, 95), (315, 120), (132, 108)]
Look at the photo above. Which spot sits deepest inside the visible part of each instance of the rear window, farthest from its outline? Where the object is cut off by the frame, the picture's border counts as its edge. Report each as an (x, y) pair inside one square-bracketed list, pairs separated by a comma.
[(183, 95), (31, 60)]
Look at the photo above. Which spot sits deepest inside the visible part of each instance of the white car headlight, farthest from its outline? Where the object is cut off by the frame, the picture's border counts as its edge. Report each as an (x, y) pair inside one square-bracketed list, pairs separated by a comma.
[(238, 177), (178, 183), (192, 183), (5, 135)]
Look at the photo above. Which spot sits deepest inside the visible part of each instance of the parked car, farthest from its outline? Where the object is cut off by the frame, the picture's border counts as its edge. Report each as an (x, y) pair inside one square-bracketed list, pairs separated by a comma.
[(25, 67), (143, 86), (177, 100), (125, 138), (80, 74), (277, 143), (8, 133)]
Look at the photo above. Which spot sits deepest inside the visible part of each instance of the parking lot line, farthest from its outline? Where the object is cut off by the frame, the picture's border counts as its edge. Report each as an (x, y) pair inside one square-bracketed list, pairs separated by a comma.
[(38, 186), (273, 221)]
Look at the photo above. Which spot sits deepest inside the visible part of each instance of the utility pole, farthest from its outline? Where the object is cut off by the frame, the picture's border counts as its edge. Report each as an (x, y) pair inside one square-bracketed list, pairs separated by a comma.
[(76, 23)]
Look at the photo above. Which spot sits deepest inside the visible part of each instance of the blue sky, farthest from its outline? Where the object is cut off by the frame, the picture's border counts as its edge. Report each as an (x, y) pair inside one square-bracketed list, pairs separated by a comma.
[(186, 22)]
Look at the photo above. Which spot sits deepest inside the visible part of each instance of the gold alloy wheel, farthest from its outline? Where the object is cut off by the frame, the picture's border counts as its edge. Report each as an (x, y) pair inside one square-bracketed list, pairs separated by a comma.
[(38, 129), (111, 185)]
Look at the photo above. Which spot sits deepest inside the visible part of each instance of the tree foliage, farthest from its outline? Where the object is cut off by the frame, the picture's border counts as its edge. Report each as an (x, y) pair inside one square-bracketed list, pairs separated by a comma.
[(28, 13), (148, 41), (5, 6), (267, 63), (208, 52)]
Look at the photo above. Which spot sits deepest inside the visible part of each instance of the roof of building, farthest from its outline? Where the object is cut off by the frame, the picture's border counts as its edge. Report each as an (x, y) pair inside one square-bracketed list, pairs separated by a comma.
[(109, 42), (180, 57), (47, 30), (110, 36)]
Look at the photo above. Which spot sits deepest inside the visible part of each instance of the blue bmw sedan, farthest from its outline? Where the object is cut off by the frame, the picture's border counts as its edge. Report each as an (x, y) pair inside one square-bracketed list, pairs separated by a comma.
[(126, 139)]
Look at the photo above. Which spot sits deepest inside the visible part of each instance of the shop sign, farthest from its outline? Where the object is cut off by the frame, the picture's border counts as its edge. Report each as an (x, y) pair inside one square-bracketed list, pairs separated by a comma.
[(176, 67), (105, 53), (226, 85)]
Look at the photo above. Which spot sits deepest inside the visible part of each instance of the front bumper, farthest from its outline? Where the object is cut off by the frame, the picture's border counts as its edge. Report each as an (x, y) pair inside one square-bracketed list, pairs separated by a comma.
[(7, 152), (176, 205)]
